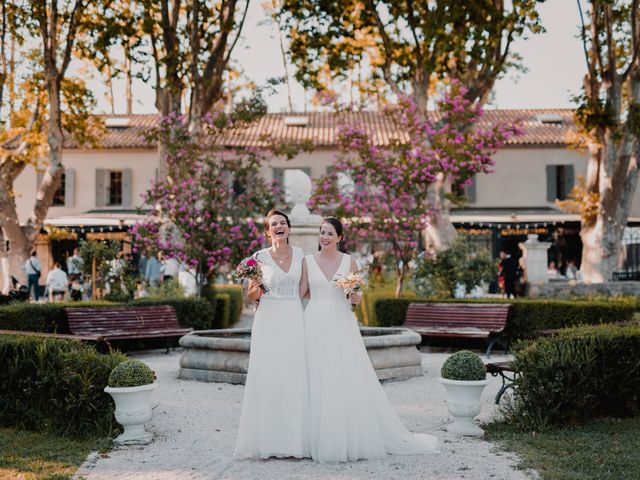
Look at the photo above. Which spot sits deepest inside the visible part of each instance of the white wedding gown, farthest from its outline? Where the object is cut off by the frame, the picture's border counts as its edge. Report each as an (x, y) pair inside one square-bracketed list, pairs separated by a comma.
[(275, 410), (351, 417)]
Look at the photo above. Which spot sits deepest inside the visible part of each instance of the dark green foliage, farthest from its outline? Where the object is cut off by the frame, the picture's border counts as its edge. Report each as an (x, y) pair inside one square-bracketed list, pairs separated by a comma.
[(526, 317), (51, 318), (40, 317), (131, 373), (55, 385), (236, 297), (464, 365), (191, 312), (223, 311), (579, 374), (462, 263)]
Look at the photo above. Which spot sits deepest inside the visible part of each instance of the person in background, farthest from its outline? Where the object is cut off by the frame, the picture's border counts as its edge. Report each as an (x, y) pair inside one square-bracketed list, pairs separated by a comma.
[(153, 271), (509, 272), (142, 263), (141, 291), (32, 268), (57, 283), (74, 265), (171, 269)]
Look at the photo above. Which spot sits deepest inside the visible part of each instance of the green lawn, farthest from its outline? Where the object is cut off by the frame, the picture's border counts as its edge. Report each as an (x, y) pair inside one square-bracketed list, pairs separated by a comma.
[(601, 450), (30, 456)]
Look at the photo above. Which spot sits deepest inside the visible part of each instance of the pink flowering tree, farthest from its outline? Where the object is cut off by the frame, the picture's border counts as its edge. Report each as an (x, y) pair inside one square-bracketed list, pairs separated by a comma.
[(388, 200), (202, 212)]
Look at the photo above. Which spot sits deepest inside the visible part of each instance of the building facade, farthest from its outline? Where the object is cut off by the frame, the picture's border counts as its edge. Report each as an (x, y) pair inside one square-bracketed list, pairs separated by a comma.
[(102, 188)]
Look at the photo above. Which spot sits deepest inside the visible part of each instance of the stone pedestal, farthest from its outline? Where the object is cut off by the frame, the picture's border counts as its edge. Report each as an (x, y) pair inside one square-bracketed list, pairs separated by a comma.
[(304, 225), (534, 254)]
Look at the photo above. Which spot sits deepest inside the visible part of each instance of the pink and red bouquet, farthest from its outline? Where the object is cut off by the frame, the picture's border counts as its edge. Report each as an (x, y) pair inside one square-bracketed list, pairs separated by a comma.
[(250, 269)]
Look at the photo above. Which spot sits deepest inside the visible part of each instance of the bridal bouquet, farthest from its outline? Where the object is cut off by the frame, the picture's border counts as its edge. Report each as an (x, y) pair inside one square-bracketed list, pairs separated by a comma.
[(250, 269), (352, 283)]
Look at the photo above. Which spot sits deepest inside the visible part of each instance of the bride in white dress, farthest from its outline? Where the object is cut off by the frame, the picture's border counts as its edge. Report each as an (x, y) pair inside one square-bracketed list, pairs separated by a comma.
[(275, 410), (351, 417)]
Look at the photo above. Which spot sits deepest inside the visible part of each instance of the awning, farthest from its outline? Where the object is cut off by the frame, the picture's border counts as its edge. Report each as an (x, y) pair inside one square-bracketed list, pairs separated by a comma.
[(96, 219)]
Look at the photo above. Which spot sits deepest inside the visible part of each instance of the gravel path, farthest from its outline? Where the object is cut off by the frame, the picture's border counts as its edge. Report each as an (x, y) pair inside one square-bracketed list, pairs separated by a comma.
[(195, 428)]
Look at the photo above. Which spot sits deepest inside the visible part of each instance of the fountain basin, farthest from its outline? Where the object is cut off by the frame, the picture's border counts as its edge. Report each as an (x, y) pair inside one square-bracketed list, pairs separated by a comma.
[(223, 355)]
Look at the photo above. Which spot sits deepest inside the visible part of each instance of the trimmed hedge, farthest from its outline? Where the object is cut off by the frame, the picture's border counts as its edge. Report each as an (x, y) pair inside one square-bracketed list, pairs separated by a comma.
[(194, 313), (526, 316), (51, 318), (579, 374), (236, 297), (223, 310), (55, 385)]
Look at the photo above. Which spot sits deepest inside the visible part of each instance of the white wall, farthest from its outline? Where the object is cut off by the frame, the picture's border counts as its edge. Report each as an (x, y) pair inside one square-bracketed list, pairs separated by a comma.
[(519, 178), (143, 164)]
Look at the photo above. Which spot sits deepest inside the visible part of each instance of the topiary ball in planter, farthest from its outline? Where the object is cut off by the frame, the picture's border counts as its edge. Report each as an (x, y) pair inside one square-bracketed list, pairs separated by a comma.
[(131, 373), (464, 365)]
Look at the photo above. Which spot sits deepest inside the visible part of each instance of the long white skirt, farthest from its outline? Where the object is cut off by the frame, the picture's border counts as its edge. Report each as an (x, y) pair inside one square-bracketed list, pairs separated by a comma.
[(351, 417), (275, 410)]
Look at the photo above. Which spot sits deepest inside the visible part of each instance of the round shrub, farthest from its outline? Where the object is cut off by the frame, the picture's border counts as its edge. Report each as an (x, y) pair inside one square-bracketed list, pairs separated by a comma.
[(131, 373), (464, 365)]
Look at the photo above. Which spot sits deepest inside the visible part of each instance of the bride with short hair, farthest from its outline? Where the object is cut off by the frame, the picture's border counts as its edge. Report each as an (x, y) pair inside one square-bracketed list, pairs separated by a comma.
[(351, 417)]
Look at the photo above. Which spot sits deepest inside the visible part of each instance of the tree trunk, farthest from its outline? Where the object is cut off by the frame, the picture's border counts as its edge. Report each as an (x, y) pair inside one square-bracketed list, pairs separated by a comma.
[(401, 273), (440, 232), (613, 170), (128, 80), (168, 101)]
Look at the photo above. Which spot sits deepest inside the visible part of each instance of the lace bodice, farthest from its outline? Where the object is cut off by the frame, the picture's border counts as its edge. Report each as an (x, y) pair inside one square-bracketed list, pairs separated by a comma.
[(319, 286), (281, 284)]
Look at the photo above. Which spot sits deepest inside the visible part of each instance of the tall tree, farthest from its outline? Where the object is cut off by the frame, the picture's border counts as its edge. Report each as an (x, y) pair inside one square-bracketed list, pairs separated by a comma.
[(191, 42), (609, 112), (412, 46), (51, 104)]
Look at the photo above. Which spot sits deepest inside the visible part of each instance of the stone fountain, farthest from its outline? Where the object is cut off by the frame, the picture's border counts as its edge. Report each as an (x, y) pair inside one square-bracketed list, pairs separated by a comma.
[(223, 355)]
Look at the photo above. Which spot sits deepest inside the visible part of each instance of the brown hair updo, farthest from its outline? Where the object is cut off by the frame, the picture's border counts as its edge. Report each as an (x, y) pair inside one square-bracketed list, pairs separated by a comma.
[(270, 214)]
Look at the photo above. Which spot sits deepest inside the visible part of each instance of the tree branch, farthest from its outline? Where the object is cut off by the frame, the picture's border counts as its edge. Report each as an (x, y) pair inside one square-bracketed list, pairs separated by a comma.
[(240, 25), (71, 37), (388, 48)]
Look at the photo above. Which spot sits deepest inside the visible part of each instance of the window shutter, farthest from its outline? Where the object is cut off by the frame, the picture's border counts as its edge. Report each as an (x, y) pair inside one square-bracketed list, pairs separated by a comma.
[(101, 187), (470, 190), (126, 187), (569, 180), (69, 184), (552, 172)]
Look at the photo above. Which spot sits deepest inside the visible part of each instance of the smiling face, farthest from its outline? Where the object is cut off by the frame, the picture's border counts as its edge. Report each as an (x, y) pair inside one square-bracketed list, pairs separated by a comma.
[(328, 237), (278, 228)]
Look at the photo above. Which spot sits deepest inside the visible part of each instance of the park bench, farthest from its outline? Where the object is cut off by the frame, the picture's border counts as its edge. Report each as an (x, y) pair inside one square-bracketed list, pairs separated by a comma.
[(461, 320), (507, 374), (111, 324)]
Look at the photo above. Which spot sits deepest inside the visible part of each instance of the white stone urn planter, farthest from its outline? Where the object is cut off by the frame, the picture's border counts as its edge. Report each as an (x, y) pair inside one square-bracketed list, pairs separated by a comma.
[(463, 403), (133, 409)]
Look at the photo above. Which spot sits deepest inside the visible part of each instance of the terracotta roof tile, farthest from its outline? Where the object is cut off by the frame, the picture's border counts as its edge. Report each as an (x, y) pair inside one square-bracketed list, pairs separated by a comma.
[(321, 131)]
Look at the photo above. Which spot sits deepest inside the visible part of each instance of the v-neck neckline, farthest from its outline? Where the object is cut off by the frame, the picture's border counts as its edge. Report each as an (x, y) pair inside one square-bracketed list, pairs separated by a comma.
[(286, 272), (334, 273)]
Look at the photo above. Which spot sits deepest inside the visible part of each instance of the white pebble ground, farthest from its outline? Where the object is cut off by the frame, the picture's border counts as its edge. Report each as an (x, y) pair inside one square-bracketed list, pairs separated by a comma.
[(195, 429)]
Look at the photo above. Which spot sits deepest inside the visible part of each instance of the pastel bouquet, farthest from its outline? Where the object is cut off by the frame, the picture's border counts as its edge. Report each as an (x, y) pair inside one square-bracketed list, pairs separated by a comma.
[(250, 269), (352, 283)]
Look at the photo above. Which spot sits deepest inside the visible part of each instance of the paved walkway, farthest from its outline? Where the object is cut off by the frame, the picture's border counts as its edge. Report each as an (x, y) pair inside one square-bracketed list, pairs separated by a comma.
[(195, 428)]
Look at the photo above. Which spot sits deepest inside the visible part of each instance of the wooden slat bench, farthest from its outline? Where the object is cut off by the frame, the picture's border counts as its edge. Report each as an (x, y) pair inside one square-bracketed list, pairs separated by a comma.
[(462, 320), (125, 323)]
